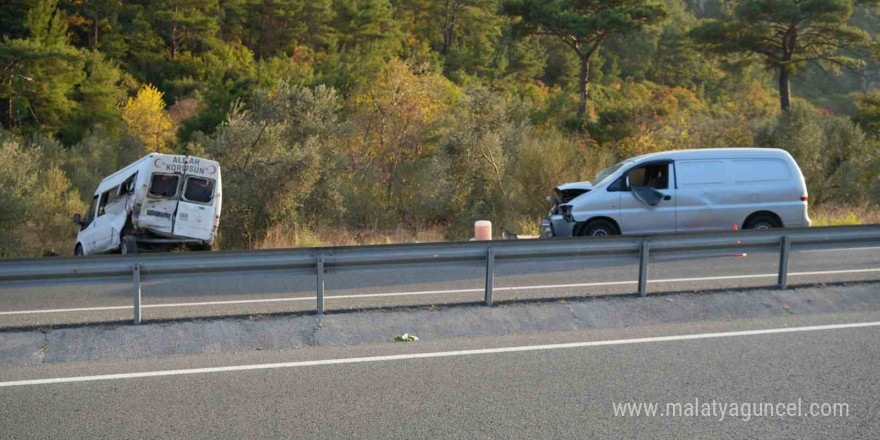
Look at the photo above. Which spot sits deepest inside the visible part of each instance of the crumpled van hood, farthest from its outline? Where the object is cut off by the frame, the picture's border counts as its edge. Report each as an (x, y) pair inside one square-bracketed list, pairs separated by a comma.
[(568, 191), (575, 185)]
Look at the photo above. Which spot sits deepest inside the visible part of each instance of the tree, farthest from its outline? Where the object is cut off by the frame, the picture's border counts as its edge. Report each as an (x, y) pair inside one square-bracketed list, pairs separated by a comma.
[(95, 16), (145, 117), (867, 114), (185, 24), (788, 35), (39, 73), (12, 14), (16, 178), (51, 205), (271, 158), (583, 25), (393, 115), (364, 21), (98, 98), (275, 26), (36, 201), (46, 23), (454, 15)]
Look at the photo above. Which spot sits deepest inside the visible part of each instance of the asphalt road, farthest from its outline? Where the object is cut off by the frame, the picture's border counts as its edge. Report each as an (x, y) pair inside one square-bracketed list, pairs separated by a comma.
[(272, 292), (517, 386)]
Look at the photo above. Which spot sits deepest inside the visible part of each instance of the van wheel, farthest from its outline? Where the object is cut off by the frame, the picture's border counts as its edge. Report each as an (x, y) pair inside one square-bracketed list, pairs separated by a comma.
[(78, 250), (599, 228), (129, 245), (763, 222)]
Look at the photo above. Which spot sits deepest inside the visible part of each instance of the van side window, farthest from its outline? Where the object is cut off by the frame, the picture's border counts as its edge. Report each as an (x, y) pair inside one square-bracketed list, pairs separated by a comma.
[(198, 190), (164, 185), (653, 176)]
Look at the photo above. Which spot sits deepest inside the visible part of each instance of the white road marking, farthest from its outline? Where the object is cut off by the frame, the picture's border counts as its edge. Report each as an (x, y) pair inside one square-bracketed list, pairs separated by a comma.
[(82, 309), (435, 292), (867, 248), (436, 354)]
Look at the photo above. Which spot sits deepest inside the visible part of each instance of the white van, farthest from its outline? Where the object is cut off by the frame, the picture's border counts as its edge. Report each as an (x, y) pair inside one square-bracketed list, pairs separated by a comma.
[(684, 191), (158, 202)]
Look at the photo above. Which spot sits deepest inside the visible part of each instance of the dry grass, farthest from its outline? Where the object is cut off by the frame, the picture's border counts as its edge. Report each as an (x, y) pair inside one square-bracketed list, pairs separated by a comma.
[(837, 215), (305, 237)]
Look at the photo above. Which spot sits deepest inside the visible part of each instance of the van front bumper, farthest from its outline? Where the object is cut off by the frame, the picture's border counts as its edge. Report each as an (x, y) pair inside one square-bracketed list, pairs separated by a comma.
[(546, 229)]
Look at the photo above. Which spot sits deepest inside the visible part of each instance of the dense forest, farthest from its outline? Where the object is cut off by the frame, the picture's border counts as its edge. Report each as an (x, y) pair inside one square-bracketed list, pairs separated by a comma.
[(352, 115)]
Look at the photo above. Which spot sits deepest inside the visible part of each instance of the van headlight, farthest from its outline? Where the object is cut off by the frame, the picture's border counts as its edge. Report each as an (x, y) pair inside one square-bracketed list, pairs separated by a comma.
[(565, 211)]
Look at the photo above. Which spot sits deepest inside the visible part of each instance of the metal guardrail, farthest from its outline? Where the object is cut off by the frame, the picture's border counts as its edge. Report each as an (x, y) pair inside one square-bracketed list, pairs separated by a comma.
[(321, 260)]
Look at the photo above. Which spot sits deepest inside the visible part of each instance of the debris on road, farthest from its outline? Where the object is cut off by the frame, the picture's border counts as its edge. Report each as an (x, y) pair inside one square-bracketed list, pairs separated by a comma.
[(406, 337)]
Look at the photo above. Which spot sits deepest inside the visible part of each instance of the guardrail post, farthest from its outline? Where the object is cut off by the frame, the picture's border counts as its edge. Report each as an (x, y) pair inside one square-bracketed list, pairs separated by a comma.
[(784, 248), (490, 274), (320, 283), (643, 269), (136, 280)]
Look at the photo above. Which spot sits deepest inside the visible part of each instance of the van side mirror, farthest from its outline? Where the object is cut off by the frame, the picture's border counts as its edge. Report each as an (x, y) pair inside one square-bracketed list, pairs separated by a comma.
[(77, 219)]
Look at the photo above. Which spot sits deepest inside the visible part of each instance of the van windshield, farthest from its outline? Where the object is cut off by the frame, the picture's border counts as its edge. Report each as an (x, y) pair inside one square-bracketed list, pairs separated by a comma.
[(605, 173), (199, 190), (164, 185)]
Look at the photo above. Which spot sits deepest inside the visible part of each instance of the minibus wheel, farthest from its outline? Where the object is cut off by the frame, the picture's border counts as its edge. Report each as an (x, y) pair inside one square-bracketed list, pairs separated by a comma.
[(129, 245), (78, 250)]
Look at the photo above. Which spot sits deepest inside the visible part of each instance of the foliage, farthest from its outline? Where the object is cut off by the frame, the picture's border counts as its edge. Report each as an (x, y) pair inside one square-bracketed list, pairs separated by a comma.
[(787, 35), (838, 162), (52, 201), (584, 25), (36, 202), (352, 118), (144, 116), (40, 72), (868, 114), (271, 159), (15, 184)]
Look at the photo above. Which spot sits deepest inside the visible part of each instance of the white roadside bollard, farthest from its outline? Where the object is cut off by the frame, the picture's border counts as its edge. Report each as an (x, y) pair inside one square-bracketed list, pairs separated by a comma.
[(483, 230)]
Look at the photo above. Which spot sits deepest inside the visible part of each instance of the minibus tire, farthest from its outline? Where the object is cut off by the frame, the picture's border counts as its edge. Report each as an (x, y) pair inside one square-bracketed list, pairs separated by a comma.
[(78, 250), (129, 245)]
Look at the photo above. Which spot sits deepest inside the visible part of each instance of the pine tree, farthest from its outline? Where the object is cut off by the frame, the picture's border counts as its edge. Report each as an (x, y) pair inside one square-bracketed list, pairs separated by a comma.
[(185, 25), (41, 72), (787, 35), (583, 25), (93, 17)]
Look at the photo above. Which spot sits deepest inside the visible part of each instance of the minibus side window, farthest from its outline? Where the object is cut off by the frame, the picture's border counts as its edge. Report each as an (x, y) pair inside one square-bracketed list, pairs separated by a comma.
[(107, 198), (164, 185), (127, 187)]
